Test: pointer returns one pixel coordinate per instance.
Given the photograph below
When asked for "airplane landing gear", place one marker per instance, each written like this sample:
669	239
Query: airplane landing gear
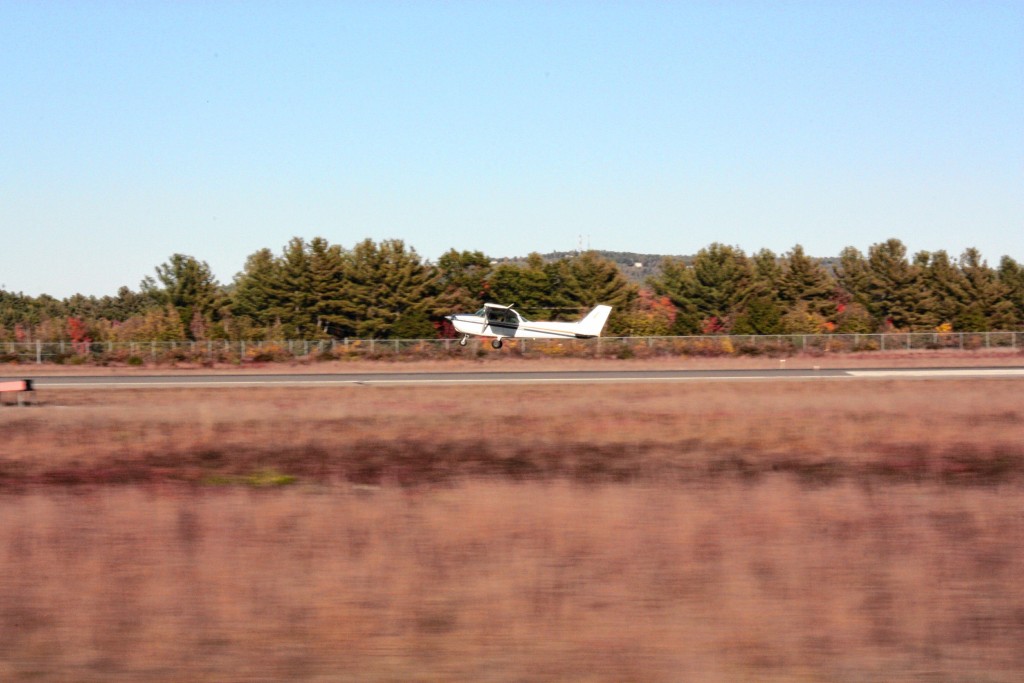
464	340
496	343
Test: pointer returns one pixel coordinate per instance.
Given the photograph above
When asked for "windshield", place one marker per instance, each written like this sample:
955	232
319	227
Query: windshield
506	314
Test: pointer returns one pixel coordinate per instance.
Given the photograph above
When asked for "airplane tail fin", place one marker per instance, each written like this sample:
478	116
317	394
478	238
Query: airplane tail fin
593	323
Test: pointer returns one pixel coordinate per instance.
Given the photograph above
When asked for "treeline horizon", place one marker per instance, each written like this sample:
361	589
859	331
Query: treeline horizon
318	290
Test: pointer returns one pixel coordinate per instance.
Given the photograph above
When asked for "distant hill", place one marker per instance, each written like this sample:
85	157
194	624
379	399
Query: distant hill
638	267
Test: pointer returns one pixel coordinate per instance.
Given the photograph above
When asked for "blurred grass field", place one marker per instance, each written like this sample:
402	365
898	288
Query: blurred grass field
746	531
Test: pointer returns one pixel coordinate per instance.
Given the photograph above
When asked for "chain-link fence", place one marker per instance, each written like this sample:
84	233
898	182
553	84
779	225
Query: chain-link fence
215	352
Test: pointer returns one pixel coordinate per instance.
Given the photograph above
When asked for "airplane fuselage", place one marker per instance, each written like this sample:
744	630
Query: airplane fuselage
480	326
501	322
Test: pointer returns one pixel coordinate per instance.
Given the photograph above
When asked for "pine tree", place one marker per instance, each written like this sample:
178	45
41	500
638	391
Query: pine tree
124	305
711	291
534	288
676	281
1011	275
187	284
895	291
761	311
804	280
462	281
985	305
328	287
588	280
766	276
255	287
389	292
722	276
854	276
760	314
300	294
946	285
292	301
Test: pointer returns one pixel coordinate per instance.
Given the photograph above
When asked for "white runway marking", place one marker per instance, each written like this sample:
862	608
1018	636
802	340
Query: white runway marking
942	372
451	379
379	381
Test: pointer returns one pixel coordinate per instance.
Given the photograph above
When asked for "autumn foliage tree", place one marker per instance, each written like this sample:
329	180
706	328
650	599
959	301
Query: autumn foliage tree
317	290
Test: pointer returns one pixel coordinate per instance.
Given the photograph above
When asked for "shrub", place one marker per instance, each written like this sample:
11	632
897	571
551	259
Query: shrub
750	349
269	479
866	345
267	353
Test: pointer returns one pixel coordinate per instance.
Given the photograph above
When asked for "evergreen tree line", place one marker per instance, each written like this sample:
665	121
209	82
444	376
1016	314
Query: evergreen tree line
318	290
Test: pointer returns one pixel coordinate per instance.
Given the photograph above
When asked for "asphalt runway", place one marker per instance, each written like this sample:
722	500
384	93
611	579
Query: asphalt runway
532	377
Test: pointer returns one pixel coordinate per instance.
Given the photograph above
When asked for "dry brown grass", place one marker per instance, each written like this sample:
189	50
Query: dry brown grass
829	531
493	581
966	431
502	361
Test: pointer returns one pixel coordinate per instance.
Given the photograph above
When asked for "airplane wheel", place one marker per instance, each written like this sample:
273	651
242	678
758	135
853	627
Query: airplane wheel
462	342
496	343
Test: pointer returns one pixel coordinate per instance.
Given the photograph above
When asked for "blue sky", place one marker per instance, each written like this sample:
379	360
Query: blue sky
130	131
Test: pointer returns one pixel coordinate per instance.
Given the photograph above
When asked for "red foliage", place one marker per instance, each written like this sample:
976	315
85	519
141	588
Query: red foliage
656	305
77	331
445	329
79	335
712	325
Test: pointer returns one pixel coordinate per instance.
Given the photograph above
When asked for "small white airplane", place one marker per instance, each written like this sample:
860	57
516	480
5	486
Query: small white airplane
494	320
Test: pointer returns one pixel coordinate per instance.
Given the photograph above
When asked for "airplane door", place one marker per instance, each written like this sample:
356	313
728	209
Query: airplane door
502	321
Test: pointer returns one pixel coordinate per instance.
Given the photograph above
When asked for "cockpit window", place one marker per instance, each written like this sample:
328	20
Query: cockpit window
502	315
